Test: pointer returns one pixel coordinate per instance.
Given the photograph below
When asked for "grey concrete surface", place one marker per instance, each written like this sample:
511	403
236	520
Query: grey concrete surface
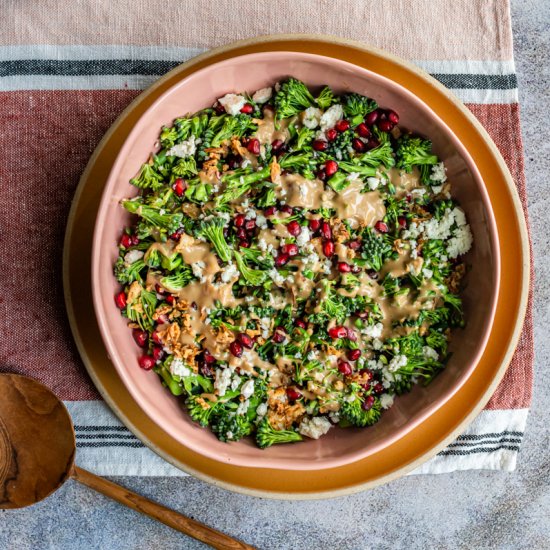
465	510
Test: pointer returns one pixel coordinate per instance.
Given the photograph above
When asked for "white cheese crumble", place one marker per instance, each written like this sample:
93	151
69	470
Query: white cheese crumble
373	183
232	103
314	427
374	331
178	368
261	411
248	389
184	149
397	362
438	173
386	400
243	407
304	237
430	353
460	242
198	268
377	344
230	272
262	95
331	116
261	221
235	381
132	256
311	117
222	381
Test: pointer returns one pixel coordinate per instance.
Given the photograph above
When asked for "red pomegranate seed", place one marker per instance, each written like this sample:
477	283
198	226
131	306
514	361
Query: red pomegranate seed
385	126
177	234
363	131
120	300
326	231
254	146
355	244
393	117
179	187
381	227
241	233
141	337
328	248
219	108
281	259
126	241
331	167
320	145
371	118
208	357
279	335
354	354
338	332
321	175
170	299
290	249
244	244
345	368
246	340
156	337
331	134
314	225
294	228
270	211
373	143
135	240
352	335
368	403
378	388
342	125
344	267
358	145
293	394
236	348
158	353
247	109
250	225
300	323
402	221
276	144
239	220
287	209
146	362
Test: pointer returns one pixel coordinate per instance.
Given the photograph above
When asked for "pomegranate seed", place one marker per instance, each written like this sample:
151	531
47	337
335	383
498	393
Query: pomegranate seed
342	125
179	187
239	220
170	299
381	227
126	241
366	373
241	234
287	209
293	394
276	144
279	335
206	370
319	145
156	337
402	221
120	300
363	131
355	244
328	248
337	332
294	228
385	126
254	146
270	211
236	348
358	145
321	175
368	403
281	259
343	267
314	225
250	225
378	388
372	274
331	167
300	323
393	117
219	108
354	354
246	340
373	143
331	134
345	368
141	337
208	357
408	198
244	244
158	353
290	249
247	109
146	362
177	234
371	118
326	231
352	335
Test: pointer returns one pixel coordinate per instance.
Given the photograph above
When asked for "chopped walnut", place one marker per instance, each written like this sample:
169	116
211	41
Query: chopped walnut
275	171
237	148
339	231
281	413
224	335
455	278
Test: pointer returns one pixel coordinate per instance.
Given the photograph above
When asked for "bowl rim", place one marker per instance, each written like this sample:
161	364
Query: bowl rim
102	314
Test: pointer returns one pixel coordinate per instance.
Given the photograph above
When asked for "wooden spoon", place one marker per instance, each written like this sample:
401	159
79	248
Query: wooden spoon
37	451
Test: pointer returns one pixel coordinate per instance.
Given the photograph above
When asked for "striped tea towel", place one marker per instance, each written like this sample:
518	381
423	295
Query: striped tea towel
67	70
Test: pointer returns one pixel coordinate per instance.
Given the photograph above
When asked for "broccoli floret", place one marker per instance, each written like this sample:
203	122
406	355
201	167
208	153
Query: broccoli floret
198	191
266	198
414	151
254	277
176	281
330	303
326	98
173	385
304	137
292	98
232	126
375	249
437	341
266	435
303	162
353	412
185	168
141	309
383	154
165	221
213	231
168	136
200	410
126	274
240	182
231	426
357	106
416	367
148	178
340	147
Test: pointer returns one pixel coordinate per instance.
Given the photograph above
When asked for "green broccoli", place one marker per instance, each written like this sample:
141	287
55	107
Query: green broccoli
357	106
325	98
414	151
330	303
254	277
240	182
416	367
304	137
292	98
148	178
142	308
375	249
198	191
155	217
202	411
176	281
185	168
232	126
383	154
172	384
231	426
266	198
213	231
355	414
266	435
126	274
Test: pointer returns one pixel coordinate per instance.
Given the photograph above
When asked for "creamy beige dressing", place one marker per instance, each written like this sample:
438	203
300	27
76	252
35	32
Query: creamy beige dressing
296	190
269	130
404	183
359	208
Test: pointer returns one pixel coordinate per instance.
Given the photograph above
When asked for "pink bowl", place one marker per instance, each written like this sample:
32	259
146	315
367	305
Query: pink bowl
249	73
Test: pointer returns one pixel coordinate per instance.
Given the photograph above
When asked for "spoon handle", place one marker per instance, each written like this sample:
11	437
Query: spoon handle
173	519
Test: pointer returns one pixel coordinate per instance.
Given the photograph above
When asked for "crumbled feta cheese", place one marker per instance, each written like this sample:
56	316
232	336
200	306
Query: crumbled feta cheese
428	273
250	214
197	269
303	237
235	381
331	116
243	407
230	272
276	277
374	331
184	149
314	427
261	411
245	163
132	256
373	183
397	362
261	221
436	189
327	267
311	117
222	381
178	368
232	103
386	400
460	242
430	353
377	344
262	95
248	389
438	173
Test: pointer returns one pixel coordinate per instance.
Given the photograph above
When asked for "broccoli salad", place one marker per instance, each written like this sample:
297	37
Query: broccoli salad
294	263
